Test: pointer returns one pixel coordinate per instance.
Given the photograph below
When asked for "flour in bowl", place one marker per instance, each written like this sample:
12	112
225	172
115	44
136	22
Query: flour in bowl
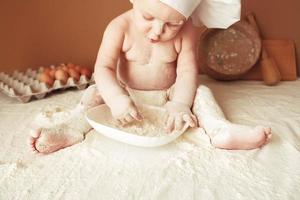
152	125
145	127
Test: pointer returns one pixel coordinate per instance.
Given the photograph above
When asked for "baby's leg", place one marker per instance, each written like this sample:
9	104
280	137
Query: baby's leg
72	131
224	134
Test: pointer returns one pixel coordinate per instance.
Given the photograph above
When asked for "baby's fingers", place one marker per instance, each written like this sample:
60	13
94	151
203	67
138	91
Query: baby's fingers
195	120
136	115
179	123
128	118
121	121
170	123
125	119
190	120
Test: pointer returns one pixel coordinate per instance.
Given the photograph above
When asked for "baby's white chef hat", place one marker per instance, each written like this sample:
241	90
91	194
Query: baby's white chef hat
211	13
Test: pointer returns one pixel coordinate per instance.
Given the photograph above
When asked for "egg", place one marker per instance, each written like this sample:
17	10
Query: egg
52	73
65	68
46	70
70	65
86	71
45	78
61	75
74	74
77	68
58	67
52	67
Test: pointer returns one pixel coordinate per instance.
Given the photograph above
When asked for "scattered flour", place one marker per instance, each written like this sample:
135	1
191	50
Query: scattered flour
52	116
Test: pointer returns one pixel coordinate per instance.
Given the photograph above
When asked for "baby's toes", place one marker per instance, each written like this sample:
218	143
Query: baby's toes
35	132
268	134
34	136
31	143
264	133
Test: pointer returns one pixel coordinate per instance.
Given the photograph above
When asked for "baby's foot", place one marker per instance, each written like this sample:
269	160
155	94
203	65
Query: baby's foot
48	140
239	137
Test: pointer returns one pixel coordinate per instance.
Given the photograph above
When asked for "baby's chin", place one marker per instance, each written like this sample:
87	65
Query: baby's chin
159	40
153	41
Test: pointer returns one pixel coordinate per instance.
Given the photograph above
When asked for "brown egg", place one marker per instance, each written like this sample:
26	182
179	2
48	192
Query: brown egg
70	65
52	67
62	76
86	71
74	74
52	73
58	67
62	64
65	68
45	78
78	68
46	70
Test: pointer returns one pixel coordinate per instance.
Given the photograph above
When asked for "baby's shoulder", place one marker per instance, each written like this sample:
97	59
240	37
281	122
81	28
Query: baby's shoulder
120	23
188	30
188	35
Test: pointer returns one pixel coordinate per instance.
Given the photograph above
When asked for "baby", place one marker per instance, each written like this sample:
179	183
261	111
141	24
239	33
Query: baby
151	50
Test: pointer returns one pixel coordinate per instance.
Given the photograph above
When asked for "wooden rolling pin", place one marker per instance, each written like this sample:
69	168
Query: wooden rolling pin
270	72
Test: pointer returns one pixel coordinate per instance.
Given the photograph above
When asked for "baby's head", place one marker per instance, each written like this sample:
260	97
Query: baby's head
157	21
161	20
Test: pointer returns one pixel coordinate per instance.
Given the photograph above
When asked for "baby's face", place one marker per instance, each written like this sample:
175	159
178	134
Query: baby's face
157	21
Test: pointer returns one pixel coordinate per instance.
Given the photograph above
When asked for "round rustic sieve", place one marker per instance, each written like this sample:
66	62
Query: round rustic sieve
226	54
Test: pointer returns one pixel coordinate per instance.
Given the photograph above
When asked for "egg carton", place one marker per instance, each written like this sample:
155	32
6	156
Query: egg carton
25	86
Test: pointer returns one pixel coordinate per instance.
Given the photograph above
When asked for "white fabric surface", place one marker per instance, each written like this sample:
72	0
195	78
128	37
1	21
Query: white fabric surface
190	168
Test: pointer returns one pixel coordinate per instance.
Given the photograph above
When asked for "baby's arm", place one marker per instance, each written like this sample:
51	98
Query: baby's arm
186	82
113	94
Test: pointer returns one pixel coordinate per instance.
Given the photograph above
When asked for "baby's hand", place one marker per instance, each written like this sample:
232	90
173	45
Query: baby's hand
178	115
124	110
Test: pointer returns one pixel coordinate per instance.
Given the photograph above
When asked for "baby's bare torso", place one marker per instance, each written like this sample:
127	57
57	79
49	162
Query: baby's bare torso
147	66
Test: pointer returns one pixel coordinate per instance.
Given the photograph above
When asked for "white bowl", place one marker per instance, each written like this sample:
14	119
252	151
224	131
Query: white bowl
100	119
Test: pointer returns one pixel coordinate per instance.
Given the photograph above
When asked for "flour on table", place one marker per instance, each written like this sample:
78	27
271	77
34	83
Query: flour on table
52	116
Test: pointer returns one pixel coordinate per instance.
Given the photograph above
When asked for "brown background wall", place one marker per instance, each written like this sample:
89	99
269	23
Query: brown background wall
35	33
